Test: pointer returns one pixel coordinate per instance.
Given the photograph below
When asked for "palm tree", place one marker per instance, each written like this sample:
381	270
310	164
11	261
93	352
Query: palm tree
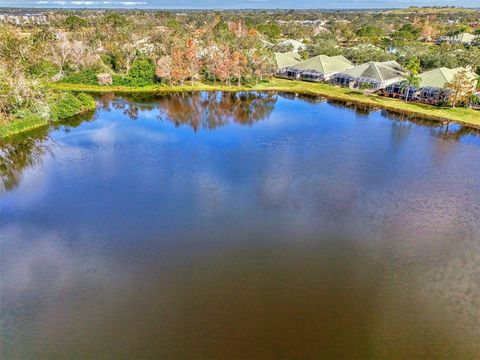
412	79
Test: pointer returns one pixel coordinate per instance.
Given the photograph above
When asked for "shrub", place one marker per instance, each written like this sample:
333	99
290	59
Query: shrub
119	80
85	76
44	69
87	101
66	104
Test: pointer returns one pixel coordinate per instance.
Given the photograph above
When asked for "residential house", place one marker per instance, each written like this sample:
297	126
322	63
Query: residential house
458	39
371	75
294	44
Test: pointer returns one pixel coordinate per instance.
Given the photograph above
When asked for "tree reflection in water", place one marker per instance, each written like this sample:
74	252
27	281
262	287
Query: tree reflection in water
26	150
308	98
16	156
445	131
207	110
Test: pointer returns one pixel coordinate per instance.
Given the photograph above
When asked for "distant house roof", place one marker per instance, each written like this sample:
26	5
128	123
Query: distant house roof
440	77
380	71
287	59
462	38
325	64
297	45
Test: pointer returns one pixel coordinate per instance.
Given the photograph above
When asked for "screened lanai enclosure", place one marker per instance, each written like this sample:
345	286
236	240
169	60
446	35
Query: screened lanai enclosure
290	73
433	95
475	101
367	83
312	75
350	81
295	74
401	89
344	80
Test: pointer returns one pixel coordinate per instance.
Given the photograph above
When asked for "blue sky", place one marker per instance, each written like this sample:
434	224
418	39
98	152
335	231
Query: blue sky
232	4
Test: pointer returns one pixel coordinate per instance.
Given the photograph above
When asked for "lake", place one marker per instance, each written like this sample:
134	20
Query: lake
240	226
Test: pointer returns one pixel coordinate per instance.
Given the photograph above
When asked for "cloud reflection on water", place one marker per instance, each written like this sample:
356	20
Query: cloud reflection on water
327	233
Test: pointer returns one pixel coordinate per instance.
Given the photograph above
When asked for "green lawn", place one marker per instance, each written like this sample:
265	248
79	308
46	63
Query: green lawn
459	115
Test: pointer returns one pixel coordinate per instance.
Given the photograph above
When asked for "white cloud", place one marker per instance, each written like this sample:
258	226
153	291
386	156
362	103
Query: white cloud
91	3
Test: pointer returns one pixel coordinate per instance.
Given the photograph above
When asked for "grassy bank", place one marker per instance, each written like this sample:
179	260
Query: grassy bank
61	106
459	115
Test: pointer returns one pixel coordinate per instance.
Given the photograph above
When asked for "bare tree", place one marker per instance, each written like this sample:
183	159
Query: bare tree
462	87
163	68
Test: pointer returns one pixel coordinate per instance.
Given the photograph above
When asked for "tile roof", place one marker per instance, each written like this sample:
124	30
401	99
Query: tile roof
380	71
440	77
325	64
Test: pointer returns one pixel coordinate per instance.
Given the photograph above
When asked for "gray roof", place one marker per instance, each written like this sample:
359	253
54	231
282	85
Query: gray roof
325	64
297	45
441	76
287	59
380	71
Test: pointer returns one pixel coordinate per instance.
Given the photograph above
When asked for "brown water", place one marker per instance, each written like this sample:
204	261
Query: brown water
227	226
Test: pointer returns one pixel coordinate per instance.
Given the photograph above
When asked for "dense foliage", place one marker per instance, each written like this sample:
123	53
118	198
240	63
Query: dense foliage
66	104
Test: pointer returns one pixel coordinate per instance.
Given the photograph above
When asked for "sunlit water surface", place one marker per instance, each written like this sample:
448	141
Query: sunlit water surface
240	226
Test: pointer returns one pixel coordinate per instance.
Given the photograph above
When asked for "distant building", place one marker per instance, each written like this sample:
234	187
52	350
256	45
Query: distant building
303	22
343	21
23	19
462	38
294	44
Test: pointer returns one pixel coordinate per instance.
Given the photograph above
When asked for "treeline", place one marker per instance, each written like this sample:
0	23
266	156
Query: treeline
134	49
138	50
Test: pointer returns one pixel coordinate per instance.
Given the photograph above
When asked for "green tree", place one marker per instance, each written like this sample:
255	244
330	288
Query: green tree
74	22
272	30
412	79
364	53
142	72
413	66
325	44
115	19
370	33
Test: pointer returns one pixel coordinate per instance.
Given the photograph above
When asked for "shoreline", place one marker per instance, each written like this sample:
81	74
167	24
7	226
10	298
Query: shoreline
18	127
60	111
462	116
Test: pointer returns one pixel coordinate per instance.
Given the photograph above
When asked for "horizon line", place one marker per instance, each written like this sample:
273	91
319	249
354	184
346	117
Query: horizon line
74	7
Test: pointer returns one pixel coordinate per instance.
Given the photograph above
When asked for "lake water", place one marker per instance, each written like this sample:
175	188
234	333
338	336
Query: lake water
240	226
